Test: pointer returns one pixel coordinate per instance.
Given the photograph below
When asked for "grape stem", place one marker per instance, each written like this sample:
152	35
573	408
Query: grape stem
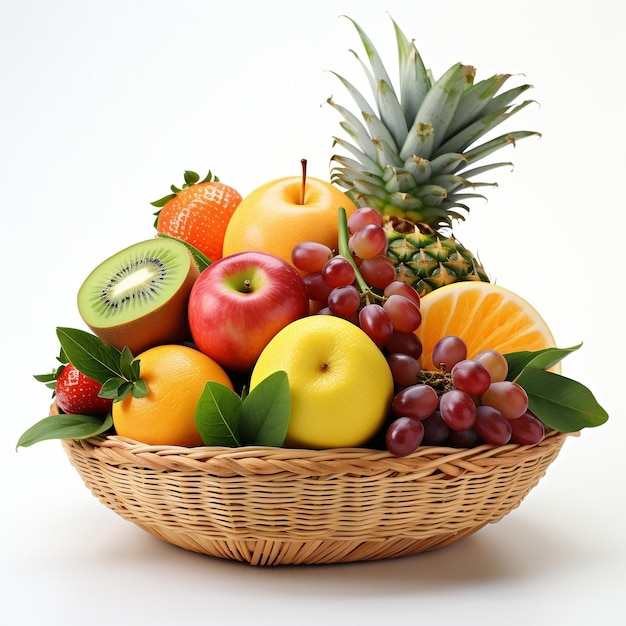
344	250
439	380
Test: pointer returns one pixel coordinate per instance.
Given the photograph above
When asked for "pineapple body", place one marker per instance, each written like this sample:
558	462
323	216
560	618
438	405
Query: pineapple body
427	260
412	156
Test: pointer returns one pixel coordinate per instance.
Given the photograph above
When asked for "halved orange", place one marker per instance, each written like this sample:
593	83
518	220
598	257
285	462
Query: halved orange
485	316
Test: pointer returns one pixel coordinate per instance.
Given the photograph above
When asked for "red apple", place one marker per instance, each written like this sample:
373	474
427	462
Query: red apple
240	302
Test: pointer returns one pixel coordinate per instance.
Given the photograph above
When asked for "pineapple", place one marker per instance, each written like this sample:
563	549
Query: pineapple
413	159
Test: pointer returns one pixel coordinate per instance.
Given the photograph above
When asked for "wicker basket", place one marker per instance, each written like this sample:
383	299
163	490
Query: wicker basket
275	506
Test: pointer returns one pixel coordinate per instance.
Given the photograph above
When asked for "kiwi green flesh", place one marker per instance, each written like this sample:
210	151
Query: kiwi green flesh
138	297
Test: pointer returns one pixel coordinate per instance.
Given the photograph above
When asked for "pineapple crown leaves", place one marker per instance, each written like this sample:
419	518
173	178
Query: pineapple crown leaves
438	122
191	178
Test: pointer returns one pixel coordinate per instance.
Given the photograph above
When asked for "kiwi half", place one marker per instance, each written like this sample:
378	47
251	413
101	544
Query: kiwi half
138	297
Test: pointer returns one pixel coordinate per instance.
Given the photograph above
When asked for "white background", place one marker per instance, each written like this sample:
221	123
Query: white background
104	104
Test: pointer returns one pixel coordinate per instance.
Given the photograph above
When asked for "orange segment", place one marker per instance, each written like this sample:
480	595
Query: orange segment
485	316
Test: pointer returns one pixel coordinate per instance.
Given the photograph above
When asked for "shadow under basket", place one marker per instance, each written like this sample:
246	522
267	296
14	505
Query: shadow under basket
277	506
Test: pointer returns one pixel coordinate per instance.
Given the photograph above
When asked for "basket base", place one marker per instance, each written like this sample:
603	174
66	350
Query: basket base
266	506
330	551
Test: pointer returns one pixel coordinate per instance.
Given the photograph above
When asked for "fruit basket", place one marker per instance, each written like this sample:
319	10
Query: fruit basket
280	506
355	389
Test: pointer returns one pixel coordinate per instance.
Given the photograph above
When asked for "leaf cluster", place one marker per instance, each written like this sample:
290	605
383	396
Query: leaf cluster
223	418
191	178
117	371
559	402
259	417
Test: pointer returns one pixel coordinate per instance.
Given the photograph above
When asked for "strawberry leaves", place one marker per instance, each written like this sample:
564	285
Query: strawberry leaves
118	372
191	178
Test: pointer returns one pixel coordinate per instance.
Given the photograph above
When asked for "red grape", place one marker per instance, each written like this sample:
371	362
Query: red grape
338	272
405	316
466	438
369	241
316	288
508	397
310	256
373	319
471	377
404	369
417	401
378	271
457	409
448	351
495	363
436	431
362	216
491	426
404	435
406	343
344	301
527	430
402	289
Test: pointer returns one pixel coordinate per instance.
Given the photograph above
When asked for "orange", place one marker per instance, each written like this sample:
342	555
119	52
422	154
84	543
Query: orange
175	376
485	316
276	216
199	215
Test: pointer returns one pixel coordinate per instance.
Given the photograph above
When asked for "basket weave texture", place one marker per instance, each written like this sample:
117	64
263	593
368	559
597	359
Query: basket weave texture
277	506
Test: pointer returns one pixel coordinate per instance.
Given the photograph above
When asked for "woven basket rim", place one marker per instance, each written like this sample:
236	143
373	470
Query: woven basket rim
251	460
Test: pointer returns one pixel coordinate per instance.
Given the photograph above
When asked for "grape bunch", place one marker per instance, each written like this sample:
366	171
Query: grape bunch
359	284
465	403
462	404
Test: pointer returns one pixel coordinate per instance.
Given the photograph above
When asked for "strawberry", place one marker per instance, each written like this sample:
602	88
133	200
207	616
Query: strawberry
198	213
78	394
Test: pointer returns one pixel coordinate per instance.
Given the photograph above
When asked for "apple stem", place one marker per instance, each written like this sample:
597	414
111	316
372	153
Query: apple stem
303	188
246	285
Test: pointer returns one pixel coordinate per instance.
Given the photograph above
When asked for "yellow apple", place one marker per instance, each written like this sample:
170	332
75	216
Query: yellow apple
278	215
340	384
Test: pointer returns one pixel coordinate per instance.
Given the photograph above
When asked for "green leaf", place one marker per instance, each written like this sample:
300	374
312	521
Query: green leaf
161	202
65	426
111	388
559	402
46	378
139	389
118	372
266	411
539	359
50	379
123	390
135	370
217	415
210	178
201	259
89	354
127	369
191	177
